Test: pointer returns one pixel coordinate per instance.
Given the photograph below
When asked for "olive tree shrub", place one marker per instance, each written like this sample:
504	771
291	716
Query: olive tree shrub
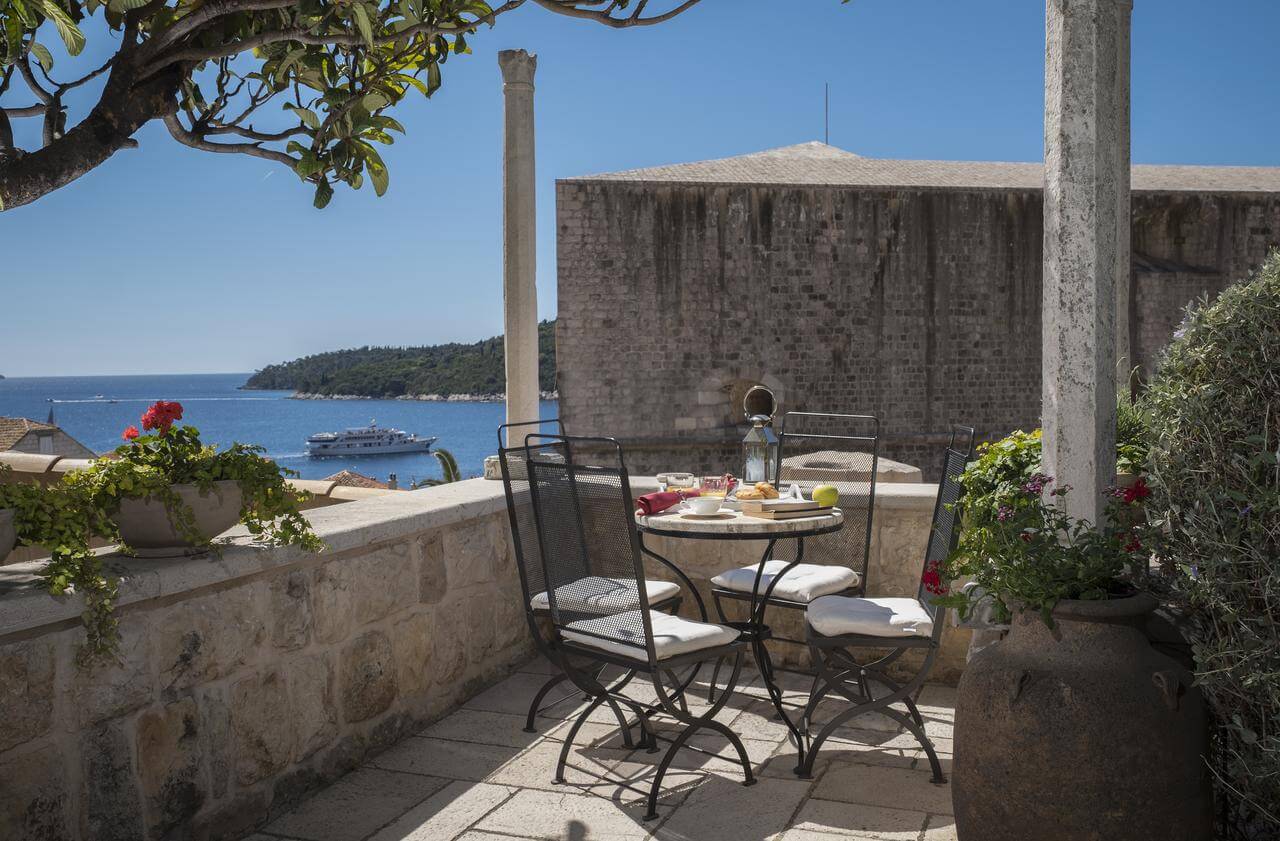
1215	414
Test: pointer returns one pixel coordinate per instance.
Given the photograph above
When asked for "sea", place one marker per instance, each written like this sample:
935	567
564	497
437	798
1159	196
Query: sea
95	410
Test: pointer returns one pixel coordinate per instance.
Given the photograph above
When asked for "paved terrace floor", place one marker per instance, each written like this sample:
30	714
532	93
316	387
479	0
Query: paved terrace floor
476	776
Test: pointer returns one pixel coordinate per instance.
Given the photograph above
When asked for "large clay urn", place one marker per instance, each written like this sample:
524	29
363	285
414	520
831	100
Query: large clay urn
145	526
1080	732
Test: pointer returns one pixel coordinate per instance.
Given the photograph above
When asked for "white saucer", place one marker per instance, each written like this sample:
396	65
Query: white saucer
718	515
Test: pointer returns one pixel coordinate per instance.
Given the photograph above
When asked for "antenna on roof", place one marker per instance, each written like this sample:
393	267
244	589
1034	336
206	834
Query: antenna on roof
826	113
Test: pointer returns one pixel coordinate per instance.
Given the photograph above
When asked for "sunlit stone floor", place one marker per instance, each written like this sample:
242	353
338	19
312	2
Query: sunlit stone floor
477	776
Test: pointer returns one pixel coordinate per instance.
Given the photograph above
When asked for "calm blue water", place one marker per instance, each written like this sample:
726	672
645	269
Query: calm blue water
224	414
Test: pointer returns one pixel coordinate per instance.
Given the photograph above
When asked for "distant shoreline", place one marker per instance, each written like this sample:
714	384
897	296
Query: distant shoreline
424	398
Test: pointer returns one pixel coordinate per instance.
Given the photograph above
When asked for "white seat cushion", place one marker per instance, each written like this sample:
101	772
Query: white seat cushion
672	635
834	616
604	595
803	583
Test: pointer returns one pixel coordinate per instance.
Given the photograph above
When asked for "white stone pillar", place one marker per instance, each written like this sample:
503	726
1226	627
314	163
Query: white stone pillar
519	254
1086	206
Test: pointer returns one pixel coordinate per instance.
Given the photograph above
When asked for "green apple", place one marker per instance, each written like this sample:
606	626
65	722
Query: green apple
826	495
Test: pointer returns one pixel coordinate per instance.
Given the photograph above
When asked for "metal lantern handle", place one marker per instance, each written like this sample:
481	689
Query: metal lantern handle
759	402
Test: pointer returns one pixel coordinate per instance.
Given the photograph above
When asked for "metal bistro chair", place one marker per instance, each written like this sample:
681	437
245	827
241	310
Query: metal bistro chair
662	595
837	626
585	520
816	448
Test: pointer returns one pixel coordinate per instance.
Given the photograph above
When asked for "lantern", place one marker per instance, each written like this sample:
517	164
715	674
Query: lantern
760	446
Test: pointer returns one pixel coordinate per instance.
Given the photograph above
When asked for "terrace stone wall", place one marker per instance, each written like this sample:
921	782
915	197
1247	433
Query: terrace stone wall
919	305
247	680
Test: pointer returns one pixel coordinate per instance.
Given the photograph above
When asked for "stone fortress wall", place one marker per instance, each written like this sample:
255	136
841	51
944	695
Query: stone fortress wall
680	287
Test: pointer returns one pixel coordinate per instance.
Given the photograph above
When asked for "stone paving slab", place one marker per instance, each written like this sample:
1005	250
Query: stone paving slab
476	776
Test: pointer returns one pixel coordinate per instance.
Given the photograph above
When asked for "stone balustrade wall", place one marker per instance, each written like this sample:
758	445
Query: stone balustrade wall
247	680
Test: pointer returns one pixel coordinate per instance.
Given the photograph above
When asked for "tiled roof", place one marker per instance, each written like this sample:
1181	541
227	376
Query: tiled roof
12	430
352	479
817	164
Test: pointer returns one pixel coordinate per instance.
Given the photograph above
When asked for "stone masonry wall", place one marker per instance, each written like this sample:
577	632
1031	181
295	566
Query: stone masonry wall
921	306
249	680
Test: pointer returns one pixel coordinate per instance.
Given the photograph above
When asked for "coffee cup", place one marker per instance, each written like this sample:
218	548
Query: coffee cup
703	504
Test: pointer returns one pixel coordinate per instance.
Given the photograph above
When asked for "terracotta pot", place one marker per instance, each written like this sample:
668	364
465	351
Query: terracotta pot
1081	732
145	527
8	537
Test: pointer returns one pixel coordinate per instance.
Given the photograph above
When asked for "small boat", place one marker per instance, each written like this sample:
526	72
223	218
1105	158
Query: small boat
371	440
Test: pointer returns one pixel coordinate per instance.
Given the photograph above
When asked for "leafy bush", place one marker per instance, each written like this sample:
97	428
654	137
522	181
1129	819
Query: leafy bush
1215	414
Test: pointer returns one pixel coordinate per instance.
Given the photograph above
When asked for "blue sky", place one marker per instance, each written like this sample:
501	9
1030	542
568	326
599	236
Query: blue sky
166	259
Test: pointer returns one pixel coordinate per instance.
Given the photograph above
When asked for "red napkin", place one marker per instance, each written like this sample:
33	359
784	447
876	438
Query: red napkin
659	501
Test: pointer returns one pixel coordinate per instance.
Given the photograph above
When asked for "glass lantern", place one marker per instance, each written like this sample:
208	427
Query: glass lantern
760	447
759	451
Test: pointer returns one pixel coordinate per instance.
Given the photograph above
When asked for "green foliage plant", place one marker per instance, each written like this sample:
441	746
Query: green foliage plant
60	519
449	471
309	85
1023	550
148	466
66	515
1214	405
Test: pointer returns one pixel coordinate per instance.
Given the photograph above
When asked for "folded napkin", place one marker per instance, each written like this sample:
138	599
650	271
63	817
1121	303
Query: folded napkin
659	501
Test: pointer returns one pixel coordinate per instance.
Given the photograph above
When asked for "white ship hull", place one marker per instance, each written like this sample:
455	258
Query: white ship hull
370	440
327	449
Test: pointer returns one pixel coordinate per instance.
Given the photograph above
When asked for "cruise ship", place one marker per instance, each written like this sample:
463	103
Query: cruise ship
371	440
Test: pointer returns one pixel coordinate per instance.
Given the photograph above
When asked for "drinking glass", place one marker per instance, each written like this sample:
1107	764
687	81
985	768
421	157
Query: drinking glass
714	485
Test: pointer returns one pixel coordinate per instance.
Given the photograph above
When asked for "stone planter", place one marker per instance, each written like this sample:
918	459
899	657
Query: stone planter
1081	732
8	537
145	527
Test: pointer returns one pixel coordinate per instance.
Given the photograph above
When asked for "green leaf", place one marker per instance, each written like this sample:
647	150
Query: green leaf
70	34
308	117
380	177
374	100
42	54
433	78
361	15
126	5
324	192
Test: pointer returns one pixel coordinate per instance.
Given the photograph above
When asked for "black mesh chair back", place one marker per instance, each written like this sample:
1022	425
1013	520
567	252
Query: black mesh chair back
945	531
515	482
818	448
588	542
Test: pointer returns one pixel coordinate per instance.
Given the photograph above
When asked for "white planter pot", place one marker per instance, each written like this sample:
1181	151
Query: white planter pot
145	527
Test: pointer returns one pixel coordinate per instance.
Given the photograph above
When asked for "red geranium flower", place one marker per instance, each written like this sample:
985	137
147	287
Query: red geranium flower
1137	491
932	579
130	432
1134	544
161	415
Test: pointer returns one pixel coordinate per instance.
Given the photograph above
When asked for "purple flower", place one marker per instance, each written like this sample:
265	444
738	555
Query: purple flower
1004	513
1036	484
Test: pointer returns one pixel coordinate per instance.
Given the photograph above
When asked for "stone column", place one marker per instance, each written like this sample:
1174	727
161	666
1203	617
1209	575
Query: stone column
1086	206
519	254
